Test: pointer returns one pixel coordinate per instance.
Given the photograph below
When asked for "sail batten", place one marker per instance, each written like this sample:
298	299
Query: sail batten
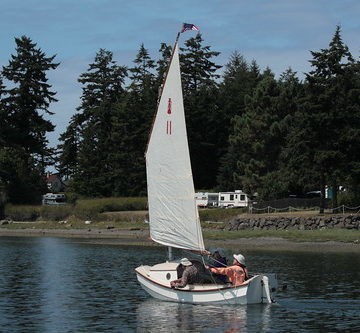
173	214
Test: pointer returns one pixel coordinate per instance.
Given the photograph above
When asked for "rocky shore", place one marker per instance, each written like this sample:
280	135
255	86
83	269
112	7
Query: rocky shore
299	223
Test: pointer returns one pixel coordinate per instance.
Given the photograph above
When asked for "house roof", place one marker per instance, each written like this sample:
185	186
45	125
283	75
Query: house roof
52	177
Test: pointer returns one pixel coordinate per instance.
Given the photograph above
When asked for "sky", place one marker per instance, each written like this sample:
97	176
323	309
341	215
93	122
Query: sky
276	33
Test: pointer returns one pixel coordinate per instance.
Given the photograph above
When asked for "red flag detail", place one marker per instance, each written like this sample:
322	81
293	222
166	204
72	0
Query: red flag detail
169	106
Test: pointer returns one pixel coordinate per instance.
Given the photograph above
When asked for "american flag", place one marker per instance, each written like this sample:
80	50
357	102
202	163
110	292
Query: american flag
187	26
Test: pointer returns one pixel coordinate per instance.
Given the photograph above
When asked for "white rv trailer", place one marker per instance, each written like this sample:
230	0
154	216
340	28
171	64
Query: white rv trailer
53	199
233	199
205	199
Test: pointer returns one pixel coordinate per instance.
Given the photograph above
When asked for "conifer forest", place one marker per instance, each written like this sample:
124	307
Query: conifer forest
247	129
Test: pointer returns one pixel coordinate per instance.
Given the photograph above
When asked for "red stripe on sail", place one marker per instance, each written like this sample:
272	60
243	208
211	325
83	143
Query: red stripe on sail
168	127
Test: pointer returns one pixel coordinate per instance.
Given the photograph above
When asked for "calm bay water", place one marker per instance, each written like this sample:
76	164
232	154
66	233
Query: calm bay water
66	285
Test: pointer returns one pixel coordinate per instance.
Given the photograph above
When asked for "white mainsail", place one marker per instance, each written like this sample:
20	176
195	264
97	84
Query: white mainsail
173	214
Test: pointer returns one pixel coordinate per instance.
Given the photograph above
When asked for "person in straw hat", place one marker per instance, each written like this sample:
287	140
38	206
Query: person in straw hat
237	273
190	275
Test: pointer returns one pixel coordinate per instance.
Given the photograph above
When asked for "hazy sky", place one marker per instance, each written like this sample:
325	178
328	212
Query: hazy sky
276	33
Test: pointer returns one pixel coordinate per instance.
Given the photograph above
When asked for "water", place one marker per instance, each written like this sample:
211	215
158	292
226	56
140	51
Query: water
66	285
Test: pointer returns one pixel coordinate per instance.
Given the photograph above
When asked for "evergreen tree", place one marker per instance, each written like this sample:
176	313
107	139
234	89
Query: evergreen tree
142	77
25	152
162	65
256	137
30	97
285	180
350	137
327	114
130	133
203	116
239	81
67	160
87	142
137	115
197	68
3	172
253	162
3	116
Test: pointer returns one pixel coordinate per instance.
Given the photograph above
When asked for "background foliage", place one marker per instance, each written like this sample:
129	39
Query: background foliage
247	129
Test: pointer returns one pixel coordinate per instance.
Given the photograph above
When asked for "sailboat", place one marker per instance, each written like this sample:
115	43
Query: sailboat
173	214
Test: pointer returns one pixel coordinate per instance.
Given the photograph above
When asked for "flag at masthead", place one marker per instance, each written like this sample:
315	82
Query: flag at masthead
188	26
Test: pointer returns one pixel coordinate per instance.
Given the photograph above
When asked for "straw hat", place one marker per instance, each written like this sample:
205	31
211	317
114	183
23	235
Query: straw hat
185	262
240	258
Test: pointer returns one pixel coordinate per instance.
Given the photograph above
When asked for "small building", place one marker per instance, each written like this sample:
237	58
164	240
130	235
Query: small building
237	198
205	199
54	183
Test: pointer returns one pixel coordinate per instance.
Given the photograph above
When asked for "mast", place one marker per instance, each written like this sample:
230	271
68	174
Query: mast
170	254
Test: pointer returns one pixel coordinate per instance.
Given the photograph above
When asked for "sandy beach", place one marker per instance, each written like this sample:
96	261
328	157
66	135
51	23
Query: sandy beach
140	237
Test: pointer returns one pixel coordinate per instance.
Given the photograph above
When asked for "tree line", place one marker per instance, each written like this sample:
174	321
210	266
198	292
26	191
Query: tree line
247	130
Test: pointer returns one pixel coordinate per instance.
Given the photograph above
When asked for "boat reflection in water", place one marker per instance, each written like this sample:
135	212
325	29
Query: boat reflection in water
158	316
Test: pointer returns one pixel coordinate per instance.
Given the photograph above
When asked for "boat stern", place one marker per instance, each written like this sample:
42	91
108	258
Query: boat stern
259	290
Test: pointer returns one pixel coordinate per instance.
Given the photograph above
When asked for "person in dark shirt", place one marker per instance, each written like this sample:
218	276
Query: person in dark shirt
190	275
218	259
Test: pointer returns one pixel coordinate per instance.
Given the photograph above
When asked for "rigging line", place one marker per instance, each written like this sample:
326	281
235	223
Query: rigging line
214	281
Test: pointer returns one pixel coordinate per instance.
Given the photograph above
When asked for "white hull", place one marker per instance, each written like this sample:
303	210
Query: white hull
156	281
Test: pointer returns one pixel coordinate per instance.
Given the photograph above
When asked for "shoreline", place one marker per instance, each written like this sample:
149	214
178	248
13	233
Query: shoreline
140	237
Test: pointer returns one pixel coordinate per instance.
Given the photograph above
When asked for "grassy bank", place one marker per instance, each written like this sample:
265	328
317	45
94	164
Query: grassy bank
108	209
76	225
211	234
84	209
131	214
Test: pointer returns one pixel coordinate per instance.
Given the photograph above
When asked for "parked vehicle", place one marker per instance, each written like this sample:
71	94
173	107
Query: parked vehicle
233	199
205	199
53	199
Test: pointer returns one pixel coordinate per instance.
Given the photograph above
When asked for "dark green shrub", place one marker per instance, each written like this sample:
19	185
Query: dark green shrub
22	213
85	209
220	214
56	213
71	197
91	208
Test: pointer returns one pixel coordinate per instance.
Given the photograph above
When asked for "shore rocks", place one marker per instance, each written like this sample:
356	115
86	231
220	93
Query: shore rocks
300	223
